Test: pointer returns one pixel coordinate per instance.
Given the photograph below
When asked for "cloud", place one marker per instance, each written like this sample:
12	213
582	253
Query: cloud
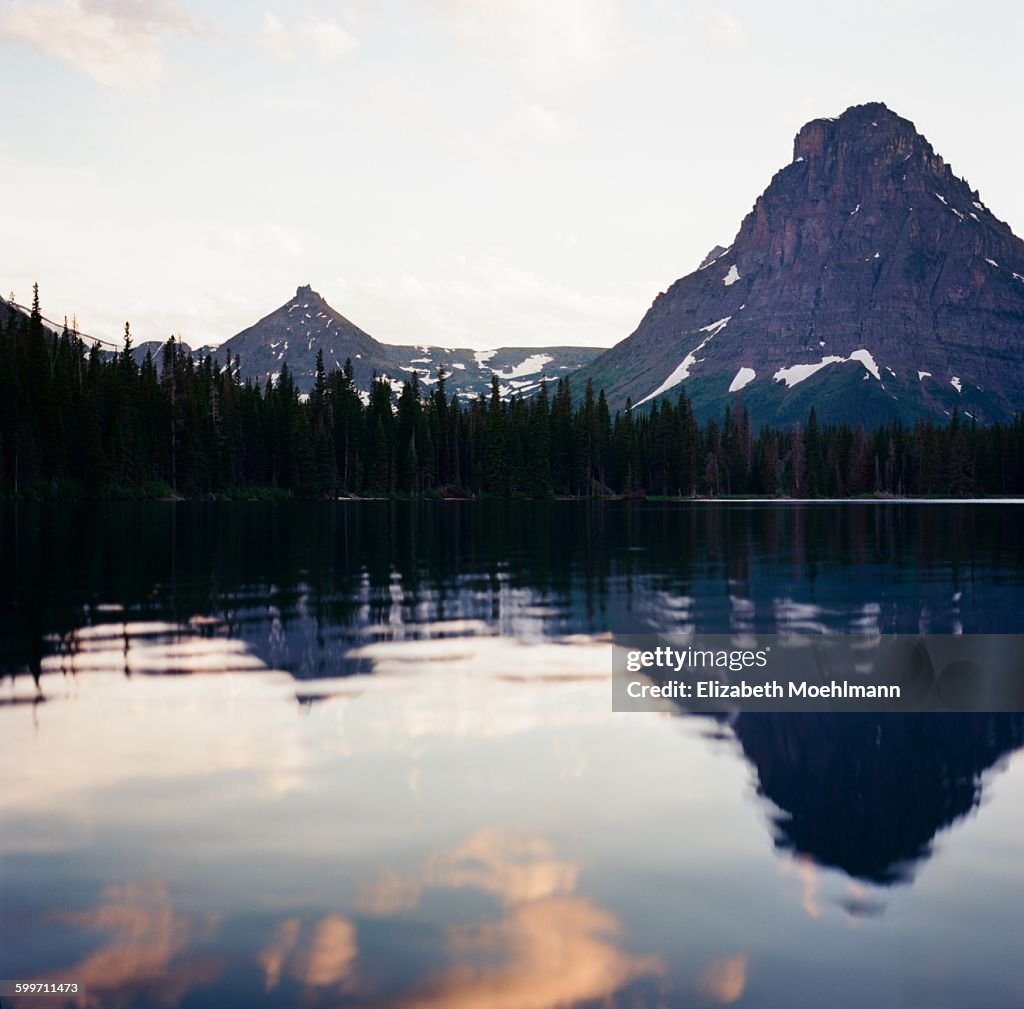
545	954
273	957
331	953
725	980
150	952
559	49
549	947
326	40
116	42
512	867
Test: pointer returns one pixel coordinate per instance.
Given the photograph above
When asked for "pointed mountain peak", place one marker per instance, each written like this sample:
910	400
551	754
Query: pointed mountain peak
819	135
866	138
867	279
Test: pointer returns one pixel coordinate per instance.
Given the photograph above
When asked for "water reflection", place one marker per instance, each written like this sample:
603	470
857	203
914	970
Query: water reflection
548	947
153	953
545	947
867	794
301	584
392	776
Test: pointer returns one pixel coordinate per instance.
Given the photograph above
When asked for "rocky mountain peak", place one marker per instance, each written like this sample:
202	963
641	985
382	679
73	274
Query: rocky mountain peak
867	145
305	291
295	333
865	265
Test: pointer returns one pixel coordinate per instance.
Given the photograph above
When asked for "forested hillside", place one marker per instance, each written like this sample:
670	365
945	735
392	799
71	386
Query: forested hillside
77	423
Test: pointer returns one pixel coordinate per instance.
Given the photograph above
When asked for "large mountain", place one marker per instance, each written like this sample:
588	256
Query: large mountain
867	280
296	331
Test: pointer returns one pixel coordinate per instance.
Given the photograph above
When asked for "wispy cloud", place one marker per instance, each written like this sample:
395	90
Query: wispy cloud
325	40
116	42
558	49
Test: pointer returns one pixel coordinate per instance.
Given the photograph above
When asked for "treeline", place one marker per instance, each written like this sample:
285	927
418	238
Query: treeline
75	421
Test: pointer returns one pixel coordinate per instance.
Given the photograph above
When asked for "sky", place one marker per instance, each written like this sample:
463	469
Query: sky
472	173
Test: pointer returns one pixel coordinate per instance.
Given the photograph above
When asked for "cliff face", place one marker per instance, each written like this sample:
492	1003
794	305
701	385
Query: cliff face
868	280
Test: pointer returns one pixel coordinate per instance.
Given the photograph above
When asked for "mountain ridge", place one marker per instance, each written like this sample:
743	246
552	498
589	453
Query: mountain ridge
306	324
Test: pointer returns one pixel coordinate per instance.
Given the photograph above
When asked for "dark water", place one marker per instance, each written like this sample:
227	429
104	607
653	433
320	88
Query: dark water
363	755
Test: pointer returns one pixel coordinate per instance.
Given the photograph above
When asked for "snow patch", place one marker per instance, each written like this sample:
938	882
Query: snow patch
943	198
483	356
732	276
531	366
796	373
743	378
865	358
856	210
922	375
715	327
956	384
683	370
992	262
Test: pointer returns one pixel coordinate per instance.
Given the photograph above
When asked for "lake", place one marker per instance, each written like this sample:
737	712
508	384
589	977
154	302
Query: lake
363	754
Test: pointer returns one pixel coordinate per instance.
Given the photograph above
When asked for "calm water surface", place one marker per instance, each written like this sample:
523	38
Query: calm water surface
363	754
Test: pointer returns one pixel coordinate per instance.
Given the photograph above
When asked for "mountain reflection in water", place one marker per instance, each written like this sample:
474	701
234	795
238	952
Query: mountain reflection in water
386	772
868	793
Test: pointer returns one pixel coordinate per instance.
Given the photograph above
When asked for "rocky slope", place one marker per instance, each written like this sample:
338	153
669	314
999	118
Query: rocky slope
867	280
